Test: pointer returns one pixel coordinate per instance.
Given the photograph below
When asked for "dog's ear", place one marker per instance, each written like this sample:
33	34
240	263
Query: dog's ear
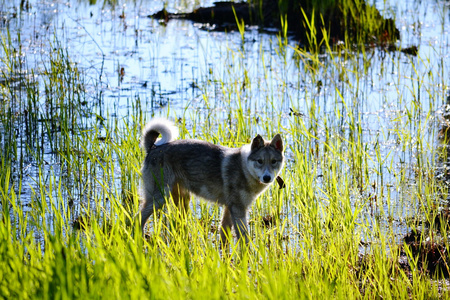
257	143
277	142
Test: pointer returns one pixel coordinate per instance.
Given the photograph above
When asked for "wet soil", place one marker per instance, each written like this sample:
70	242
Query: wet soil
430	254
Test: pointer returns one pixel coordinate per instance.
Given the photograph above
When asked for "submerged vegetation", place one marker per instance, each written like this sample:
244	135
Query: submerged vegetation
362	214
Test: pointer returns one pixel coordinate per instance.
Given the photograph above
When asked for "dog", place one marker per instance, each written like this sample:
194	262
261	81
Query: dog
231	177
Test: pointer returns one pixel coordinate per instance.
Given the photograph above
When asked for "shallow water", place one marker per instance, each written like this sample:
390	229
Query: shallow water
189	72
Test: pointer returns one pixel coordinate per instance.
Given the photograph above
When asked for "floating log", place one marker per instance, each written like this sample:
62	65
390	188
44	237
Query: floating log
360	23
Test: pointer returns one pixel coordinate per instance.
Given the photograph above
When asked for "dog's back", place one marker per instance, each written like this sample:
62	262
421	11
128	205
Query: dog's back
191	164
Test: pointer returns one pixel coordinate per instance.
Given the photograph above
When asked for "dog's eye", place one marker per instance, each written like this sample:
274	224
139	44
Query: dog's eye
260	161
274	161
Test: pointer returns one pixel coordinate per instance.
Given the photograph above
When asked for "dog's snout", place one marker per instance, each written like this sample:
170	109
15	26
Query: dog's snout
267	178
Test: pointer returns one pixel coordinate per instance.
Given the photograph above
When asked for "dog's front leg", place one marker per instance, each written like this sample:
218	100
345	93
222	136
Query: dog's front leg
239	218
227	222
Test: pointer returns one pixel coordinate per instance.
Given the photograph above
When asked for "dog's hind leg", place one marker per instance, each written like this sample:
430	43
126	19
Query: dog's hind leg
151	204
181	198
156	187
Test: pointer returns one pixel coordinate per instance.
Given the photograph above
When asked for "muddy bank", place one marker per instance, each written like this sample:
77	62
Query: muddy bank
307	21
428	252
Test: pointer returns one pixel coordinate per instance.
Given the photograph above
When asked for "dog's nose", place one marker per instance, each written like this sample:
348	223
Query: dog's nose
266	178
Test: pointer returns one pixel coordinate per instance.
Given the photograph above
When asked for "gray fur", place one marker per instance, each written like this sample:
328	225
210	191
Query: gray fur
232	177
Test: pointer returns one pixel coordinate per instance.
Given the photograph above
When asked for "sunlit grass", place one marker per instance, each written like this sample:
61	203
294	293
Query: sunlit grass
69	180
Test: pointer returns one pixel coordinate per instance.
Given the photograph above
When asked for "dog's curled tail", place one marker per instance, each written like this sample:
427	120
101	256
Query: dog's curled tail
153	129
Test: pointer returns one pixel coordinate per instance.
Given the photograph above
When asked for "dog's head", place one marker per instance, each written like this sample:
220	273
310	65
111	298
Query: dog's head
266	158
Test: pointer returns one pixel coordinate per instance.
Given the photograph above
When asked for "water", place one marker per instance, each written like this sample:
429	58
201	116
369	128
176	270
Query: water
179	69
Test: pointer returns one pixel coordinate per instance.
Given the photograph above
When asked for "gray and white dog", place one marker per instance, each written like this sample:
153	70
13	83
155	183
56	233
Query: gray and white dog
232	177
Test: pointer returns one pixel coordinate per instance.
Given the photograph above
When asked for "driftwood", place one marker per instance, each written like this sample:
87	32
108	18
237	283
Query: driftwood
268	14
223	15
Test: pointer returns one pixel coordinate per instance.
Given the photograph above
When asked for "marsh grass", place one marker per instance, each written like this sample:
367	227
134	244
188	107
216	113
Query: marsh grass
70	177
354	22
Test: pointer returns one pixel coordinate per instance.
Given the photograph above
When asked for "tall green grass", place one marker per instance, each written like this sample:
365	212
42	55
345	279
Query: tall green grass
357	23
331	233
